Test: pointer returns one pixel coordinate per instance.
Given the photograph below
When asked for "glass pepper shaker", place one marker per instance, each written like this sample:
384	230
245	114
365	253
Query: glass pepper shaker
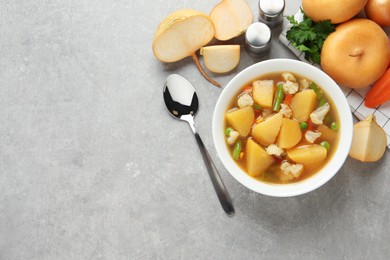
271	12
258	38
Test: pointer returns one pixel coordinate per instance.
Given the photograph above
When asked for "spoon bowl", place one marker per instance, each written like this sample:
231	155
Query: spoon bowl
180	96
182	103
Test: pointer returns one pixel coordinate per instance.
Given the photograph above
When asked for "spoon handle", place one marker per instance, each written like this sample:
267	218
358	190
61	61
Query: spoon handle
219	187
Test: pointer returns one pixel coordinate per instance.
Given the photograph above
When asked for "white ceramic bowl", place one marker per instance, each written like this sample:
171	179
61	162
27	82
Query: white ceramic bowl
327	85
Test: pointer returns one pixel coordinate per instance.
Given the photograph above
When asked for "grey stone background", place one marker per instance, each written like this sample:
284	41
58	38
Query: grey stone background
93	167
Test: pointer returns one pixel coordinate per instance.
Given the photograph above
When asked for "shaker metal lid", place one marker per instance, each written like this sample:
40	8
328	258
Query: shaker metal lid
257	38
271	11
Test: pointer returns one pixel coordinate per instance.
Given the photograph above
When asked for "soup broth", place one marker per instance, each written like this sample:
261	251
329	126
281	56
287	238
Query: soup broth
281	128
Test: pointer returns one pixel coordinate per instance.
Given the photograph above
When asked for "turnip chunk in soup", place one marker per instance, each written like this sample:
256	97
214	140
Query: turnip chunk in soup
281	128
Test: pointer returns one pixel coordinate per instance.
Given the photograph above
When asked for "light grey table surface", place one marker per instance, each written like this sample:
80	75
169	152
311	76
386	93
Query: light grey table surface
92	166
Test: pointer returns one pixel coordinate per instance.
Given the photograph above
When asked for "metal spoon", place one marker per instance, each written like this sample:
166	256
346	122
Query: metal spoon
182	102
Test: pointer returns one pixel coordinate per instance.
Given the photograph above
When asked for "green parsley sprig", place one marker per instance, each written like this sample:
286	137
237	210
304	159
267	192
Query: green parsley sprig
309	36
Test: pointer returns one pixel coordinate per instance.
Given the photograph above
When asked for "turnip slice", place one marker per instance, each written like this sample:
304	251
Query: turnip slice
231	18
181	34
221	58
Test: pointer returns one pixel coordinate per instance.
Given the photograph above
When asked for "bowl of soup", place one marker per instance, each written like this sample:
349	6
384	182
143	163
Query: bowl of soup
282	127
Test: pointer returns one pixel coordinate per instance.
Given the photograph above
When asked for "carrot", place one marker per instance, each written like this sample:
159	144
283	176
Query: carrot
247	89
287	99
380	92
257	114
278	159
310	125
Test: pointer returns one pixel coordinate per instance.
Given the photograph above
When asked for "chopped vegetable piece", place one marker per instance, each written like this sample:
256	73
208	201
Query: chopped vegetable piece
289	134
310	125
288	76
290	87
303	84
279	97
267	112
241	120
314	87
291	170
263	92
257	159
237	150
328	120
277	159
308	155
303	125
327	133
334	126
319	114
322	101
232	138
267	131
302	104
247	89
256	106
287	99
259	119
326	145
228	130
273	149
320	96
285	110
312	136
245	100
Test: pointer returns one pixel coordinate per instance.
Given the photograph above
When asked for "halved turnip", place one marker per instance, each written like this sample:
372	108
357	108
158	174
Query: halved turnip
356	54
221	58
231	18
181	34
